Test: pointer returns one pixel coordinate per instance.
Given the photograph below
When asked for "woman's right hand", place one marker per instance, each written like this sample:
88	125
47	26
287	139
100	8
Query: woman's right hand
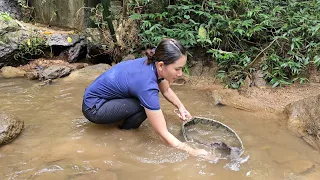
204	154
198	152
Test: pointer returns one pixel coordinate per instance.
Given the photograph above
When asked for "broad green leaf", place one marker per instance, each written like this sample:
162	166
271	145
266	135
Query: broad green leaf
69	39
202	32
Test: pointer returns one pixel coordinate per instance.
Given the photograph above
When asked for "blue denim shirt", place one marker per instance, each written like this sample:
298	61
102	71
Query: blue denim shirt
128	79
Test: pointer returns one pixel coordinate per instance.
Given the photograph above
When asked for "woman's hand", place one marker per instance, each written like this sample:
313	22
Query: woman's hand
204	154
184	114
198	152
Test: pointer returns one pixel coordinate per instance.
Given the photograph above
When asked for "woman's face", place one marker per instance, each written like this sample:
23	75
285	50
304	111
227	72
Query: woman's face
172	71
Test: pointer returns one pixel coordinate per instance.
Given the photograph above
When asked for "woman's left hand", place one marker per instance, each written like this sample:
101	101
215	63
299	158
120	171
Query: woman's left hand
184	114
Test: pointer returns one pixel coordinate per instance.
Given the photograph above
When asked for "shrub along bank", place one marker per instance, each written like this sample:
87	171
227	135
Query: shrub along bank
281	38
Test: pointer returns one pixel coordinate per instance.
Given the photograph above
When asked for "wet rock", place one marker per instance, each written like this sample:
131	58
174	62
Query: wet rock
33	75
64	39
88	73
12	72
229	97
303	119
11	7
69	47
299	166
11	35
10	128
54	72
42	68
281	155
40	64
76	52
8	25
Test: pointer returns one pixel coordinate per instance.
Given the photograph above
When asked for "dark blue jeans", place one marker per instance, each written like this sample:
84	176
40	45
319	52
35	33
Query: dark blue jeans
128	110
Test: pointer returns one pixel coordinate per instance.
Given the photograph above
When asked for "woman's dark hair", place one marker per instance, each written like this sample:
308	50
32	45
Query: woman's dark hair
168	51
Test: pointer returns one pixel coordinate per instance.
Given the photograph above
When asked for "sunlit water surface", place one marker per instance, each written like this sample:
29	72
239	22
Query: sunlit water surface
59	143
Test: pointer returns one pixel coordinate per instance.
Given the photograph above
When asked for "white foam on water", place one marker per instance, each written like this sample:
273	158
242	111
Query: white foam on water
235	164
52	168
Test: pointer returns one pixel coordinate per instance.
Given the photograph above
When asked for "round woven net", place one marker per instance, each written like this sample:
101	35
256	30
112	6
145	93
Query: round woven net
214	135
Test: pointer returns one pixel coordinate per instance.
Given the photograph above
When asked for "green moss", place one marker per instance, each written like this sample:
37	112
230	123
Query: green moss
4	16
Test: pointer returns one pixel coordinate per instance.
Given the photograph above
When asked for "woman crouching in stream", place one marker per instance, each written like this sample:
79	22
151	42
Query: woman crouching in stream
129	91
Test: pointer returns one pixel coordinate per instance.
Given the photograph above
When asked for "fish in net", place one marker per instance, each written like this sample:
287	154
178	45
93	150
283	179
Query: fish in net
215	135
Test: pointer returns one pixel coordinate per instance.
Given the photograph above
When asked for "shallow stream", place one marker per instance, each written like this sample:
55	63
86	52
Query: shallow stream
59	143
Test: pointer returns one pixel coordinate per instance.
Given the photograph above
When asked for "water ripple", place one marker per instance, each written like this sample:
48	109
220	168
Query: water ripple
16	174
51	168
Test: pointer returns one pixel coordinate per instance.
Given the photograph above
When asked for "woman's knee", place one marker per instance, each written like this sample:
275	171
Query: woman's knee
134	121
88	113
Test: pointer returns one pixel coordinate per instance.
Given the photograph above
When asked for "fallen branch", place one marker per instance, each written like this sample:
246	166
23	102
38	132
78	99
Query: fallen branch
20	24
255	59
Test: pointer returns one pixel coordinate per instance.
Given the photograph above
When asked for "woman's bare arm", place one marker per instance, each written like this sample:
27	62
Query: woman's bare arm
168	93
158	123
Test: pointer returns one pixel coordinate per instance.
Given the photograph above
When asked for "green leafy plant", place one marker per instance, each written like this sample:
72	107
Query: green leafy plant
316	61
238	32
30	48
5	16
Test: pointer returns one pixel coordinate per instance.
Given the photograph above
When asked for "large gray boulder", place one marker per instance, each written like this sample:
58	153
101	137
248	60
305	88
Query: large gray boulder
11	35
11	7
304	119
10	128
64	39
74	45
14	33
76	52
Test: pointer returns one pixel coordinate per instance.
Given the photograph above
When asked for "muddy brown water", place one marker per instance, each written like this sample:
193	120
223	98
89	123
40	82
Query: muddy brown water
59	143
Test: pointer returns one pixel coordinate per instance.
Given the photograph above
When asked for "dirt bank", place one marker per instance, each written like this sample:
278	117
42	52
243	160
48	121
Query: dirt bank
253	99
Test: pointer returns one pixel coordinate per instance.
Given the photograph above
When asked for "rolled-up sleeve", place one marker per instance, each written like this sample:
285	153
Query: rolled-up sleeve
149	98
